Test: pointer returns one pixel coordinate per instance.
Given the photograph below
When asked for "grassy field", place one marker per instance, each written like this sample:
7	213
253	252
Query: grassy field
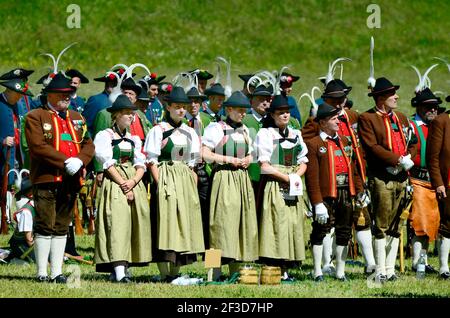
173	36
18	281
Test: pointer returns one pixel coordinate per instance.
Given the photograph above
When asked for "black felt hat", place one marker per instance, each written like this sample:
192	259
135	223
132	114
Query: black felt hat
383	86
334	90
75	73
154	79
288	79
42	79
347	89
279	101
237	99
202	74
325	110
165	87
18	85
143	96
194	93
177	95
427	97
16	73
129	83
216	89
263	90
111	78
245	77
59	84
121	102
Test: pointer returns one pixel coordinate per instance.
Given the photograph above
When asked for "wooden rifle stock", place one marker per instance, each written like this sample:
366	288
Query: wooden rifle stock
90	204
76	215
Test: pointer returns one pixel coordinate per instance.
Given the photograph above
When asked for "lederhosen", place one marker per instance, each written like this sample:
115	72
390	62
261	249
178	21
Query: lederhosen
387	219
342	190
59	196
361	217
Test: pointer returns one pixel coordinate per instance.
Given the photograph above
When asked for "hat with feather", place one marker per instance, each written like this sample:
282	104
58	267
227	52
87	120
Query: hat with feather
424	95
125	79
314	106
50	76
154	79
227	87
76	73
287	79
18	85
16	73
202	74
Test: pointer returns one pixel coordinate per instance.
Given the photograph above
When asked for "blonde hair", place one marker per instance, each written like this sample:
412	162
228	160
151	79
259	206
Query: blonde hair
116	114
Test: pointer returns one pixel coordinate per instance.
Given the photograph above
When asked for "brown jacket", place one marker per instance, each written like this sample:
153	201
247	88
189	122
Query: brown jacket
318	173
311	128
375	144
438	150
46	162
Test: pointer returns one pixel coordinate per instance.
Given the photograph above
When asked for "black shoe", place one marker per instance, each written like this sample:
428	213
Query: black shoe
342	279
60	279
430	269
124	280
380	278
318	278
393	278
445	275
42	279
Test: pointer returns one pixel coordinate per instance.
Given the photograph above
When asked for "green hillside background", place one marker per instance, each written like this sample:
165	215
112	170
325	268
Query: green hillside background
174	36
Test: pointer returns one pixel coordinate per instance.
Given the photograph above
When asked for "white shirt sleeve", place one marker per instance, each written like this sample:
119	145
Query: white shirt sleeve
24	220
139	157
301	158
195	147
213	134
152	146
103	149
250	141
263	145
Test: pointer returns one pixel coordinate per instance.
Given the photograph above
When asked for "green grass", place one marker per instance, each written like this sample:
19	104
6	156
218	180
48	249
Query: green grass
173	36
18	281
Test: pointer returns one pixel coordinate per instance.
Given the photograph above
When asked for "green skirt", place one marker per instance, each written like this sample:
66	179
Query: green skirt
233	227
281	225
123	230
179	218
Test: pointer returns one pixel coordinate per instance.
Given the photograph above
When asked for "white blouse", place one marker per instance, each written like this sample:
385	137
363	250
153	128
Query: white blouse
264	144
104	149
184	135
214	134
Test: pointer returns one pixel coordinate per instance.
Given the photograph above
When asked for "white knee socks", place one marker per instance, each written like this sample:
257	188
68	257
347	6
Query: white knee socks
58	245
42	251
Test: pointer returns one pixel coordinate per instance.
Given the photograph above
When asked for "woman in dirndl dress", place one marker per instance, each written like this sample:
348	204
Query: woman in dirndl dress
233	226
173	149
281	153
123	232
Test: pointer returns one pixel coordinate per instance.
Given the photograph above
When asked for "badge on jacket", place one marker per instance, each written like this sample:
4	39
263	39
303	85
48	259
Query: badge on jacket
322	149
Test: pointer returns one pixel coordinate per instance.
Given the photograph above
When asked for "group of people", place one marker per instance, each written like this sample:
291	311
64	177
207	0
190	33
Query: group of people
181	169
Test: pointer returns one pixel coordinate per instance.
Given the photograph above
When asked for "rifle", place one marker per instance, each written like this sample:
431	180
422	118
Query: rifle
76	215
78	259
4	223
90	207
